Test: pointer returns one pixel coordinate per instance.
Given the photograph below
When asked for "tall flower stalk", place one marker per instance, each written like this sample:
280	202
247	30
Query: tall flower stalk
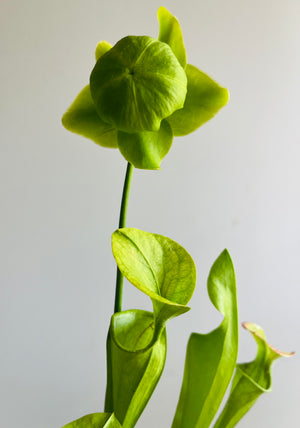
122	224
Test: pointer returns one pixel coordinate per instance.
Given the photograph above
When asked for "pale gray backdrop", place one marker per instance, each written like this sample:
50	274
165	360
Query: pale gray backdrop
234	183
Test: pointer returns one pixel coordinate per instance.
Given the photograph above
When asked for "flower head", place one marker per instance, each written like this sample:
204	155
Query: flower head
142	93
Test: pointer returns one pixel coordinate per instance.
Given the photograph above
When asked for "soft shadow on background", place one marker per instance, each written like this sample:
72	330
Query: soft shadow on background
233	183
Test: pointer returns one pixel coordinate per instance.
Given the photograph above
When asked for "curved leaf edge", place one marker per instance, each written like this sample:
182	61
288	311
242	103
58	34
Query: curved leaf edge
166	19
259	335
95	420
221	328
113	330
249	379
147	292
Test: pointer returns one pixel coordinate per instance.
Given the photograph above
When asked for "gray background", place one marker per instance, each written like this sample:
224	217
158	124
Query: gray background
233	183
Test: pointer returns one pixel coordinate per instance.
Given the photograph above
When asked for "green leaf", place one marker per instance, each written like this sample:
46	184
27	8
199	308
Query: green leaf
250	380
211	358
159	267
203	100
170	33
134	367
95	420
82	118
146	149
101	49
138	83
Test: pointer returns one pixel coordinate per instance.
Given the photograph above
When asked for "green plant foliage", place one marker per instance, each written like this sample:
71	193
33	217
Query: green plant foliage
95	420
141	94
135	87
250	380
211	358
159	267
134	368
136	347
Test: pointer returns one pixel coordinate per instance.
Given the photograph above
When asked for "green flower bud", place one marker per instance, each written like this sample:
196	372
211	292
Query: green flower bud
138	83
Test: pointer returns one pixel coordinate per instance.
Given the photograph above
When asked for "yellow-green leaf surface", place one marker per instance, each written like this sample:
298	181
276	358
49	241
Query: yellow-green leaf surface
95	420
146	149
250	380
134	368
82	118
159	267
138	83
204	99
170	33
211	358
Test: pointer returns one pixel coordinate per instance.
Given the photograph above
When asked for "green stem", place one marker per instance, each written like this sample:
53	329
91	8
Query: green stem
122	223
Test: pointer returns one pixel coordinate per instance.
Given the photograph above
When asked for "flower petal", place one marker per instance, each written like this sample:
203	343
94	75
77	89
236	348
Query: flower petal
170	33
102	48
203	100
146	150
82	118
